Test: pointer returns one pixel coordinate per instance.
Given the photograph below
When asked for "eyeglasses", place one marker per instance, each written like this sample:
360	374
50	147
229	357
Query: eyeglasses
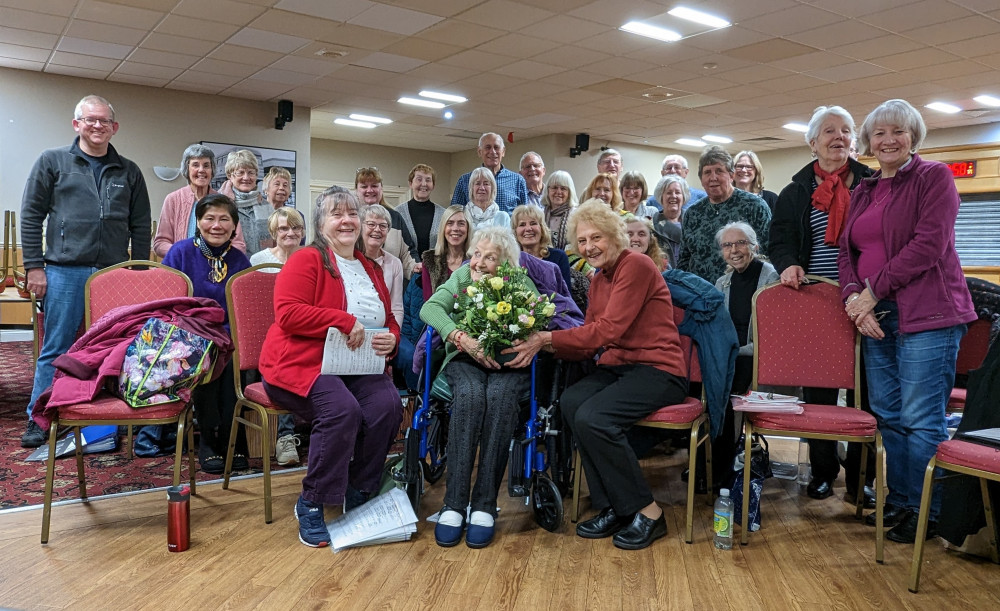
244	173
730	245
746	168
290	229
95	121
534	166
380	226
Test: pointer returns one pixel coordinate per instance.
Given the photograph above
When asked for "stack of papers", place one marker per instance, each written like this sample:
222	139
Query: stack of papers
756	401
95	438
386	518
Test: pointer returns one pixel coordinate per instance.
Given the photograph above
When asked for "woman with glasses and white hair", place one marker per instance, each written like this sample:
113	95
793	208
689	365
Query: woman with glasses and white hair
905	291
242	171
482	208
177	221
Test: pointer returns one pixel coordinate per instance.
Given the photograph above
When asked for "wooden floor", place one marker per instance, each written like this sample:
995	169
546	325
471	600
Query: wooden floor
112	554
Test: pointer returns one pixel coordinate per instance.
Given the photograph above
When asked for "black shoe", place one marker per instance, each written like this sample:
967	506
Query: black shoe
33	436
819	489
240	463
602	525
641	532
906	530
354	498
868	503
891	516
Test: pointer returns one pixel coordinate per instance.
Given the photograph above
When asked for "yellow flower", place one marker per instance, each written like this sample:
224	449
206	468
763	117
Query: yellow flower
503	307
497	283
491	315
471	290
549	309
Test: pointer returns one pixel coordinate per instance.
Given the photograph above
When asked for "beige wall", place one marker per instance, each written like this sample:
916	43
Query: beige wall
156	125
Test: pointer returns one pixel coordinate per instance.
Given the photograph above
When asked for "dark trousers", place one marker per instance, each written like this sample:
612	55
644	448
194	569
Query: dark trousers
354	421
483	417
214	404
599	410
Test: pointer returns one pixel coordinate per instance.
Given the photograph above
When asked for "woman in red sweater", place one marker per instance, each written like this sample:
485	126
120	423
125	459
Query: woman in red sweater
640	369
354	418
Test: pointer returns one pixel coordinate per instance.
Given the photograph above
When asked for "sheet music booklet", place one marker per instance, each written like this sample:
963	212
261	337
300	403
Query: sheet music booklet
338	359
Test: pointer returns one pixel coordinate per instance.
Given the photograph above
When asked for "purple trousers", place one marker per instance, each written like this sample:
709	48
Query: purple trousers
354	421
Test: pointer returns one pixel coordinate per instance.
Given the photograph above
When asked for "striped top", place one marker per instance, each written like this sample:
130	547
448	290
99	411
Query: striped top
823	260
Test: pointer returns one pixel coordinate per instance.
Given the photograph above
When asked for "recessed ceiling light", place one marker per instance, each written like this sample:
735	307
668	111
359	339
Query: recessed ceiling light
988	100
689	142
796	127
683	12
353	123
370	119
944	107
444	97
419	102
716	139
448	114
650	31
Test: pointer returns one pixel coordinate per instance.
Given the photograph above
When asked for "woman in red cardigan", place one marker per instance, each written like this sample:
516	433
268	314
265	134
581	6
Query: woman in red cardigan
354	418
630	324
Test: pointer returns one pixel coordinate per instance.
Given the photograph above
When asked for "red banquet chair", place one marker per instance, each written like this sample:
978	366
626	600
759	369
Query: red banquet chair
689	415
105	290
250	301
971	353
804	338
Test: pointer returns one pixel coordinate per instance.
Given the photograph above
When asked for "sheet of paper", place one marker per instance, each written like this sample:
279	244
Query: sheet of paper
338	359
986	434
388	517
740	404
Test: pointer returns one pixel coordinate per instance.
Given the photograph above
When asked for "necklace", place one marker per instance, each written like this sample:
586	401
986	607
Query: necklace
879	202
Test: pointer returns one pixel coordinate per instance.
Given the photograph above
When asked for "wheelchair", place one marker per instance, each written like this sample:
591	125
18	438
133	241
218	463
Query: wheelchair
540	466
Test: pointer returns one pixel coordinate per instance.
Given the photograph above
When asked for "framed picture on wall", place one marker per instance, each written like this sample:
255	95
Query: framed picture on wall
266	159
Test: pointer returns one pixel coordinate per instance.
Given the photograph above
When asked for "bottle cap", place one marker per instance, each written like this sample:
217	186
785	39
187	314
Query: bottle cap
179	493
724	492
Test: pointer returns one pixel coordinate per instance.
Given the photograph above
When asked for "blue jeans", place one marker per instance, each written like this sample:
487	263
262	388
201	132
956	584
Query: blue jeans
910	377
63	305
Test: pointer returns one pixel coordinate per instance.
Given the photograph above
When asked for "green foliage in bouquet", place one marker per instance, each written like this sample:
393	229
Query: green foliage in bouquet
502	308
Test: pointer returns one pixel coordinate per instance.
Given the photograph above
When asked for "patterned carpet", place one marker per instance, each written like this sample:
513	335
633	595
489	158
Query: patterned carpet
23	483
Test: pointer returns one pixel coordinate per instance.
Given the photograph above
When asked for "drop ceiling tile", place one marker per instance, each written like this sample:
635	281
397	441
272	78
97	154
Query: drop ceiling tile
257	90
84	61
244	55
90	30
27	38
754	74
358	74
617	66
36	22
305	96
848	72
93	47
218	66
132	79
617	42
527	69
954	31
389	62
915	15
438	74
195	87
476	60
23	53
419	48
99	75
793	83
444	8
341	10
148	70
316	67
518	45
21	64
460	33
222	11
296	24
838	35
879	47
614	13
725	39
218	81
566	29
489	82
361	37
152	5
811	61
315	50
576	79
914	59
177	44
569	57
792	20
973	46
162	58
271	41
196	28
117	14
503	13
395	19
284	77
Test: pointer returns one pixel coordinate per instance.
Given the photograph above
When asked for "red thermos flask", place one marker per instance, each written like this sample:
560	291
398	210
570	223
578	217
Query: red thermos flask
178	518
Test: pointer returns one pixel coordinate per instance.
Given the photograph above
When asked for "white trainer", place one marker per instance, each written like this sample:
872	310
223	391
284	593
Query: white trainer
285	452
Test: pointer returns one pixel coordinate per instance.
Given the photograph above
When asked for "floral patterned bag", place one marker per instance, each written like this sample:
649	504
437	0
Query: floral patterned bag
163	364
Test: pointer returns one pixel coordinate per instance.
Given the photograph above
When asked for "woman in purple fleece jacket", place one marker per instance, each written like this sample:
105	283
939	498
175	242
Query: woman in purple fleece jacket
904	289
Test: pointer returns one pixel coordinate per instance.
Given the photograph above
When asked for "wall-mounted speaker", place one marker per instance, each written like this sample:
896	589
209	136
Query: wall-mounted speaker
284	114
582	144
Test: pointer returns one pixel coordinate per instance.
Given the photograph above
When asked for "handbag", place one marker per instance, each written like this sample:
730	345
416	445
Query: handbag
760	469
163	364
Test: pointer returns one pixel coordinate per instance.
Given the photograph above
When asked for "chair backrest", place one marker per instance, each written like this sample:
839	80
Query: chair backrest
120	285
803	337
250	300
976	343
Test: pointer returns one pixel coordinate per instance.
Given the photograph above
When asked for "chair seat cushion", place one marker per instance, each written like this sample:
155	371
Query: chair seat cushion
825	419
682	413
255	392
957	399
968	454
109	407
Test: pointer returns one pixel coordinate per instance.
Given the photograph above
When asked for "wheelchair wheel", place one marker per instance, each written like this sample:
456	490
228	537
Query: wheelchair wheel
546	500
413	468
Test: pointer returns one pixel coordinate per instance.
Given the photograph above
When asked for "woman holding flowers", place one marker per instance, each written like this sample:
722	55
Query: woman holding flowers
485	408
640	369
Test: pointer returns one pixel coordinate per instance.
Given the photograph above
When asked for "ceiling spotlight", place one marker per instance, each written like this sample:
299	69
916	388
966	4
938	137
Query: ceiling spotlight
448	114
716	139
650	31
796	127
944	107
370	119
353	123
690	142
421	103
444	97
682	12
988	100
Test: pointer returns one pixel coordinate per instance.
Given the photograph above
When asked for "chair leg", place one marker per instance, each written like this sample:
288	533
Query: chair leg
577	479
879	497
859	501
988	511
50	475
79	462
179	449
228	469
692	471
748	434
189	426
128	442
265	443
708	463
925	510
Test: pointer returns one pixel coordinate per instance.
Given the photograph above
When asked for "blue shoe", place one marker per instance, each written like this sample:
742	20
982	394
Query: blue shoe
312	526
478	537
446	535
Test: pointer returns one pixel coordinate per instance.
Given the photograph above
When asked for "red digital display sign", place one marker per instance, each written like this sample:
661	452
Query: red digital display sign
963	169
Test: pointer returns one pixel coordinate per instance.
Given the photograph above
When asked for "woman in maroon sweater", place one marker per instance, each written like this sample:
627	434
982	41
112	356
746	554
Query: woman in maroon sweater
640	369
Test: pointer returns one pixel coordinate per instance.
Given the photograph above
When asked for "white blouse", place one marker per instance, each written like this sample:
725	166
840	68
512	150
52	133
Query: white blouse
362	298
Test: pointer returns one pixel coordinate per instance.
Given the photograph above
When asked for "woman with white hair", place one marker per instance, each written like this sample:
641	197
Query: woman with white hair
672	192
558	200
485	410
242	170
482	207
177	221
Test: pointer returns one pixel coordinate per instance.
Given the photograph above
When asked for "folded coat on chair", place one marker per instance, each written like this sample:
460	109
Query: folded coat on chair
98	355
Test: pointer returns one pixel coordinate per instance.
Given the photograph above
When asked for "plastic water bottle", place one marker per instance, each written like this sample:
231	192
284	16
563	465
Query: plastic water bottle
724	521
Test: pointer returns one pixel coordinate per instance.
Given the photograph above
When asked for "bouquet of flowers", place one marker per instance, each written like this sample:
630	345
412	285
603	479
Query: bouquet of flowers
502	308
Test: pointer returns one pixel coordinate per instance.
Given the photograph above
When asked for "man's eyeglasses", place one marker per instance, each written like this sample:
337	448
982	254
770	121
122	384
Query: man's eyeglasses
380	226
94	121
731	245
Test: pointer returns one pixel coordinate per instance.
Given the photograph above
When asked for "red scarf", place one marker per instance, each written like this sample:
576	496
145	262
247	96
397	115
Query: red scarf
832	196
